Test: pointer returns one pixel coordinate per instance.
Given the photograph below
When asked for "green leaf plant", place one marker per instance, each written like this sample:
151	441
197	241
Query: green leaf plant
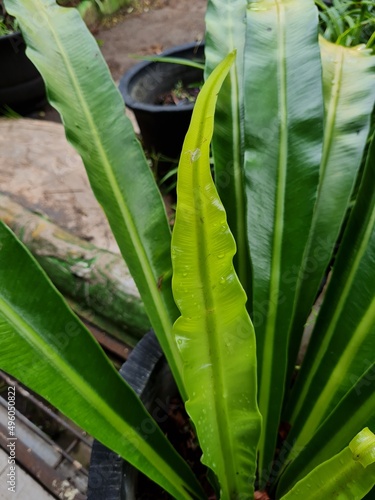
236	289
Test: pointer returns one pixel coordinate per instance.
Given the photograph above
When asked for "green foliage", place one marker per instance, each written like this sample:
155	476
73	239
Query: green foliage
173	60
289	138
289	143
348	475
8	24
42	344
211	300
5	27
96	125
348	22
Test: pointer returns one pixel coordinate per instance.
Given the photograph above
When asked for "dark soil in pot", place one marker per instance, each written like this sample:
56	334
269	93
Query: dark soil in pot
180	94
163	127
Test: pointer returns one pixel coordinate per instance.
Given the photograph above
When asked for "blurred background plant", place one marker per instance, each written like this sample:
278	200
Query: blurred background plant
8	24
348	23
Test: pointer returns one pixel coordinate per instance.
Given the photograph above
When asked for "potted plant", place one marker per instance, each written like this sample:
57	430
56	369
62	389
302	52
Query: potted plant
162	94
21	86
291	124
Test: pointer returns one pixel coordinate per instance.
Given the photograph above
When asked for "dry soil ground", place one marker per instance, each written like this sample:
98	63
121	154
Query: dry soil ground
167	23
149	27
37	166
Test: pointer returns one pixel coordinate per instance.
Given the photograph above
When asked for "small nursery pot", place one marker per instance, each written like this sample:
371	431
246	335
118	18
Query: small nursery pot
163	127
21	87
147	372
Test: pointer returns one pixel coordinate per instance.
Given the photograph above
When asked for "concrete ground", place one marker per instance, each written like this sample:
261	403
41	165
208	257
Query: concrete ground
26	487
175	22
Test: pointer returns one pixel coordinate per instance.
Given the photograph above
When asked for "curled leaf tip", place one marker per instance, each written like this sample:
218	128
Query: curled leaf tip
362	447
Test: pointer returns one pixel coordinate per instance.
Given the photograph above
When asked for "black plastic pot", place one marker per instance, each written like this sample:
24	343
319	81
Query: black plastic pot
163	127
21	86
110	477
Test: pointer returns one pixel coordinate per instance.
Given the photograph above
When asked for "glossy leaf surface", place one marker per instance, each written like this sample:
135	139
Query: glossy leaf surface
349	475
214	333
284	132
354	411
225	31
46	347
80	87
349	94
343	340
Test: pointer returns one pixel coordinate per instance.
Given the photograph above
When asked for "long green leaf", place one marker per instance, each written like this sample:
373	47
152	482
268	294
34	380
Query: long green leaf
172	60
349	475
79	86
355	411
343	339
349	95
225	31
45	346
214	333
284	131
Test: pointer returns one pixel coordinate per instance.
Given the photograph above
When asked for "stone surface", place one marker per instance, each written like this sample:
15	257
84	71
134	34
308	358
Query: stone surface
26	488
40	170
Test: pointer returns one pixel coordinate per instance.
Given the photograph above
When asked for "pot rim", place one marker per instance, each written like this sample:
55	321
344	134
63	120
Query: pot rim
129	75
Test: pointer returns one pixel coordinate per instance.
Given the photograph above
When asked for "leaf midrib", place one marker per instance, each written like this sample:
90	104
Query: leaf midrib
331	117
85	390
335	318
214	351
333	383
329	128
266	384
334	441
129	223
239	207
29	335
241	229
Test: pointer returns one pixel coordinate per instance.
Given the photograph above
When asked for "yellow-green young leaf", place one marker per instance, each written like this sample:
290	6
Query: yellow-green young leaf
214	333
349	475
363	447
